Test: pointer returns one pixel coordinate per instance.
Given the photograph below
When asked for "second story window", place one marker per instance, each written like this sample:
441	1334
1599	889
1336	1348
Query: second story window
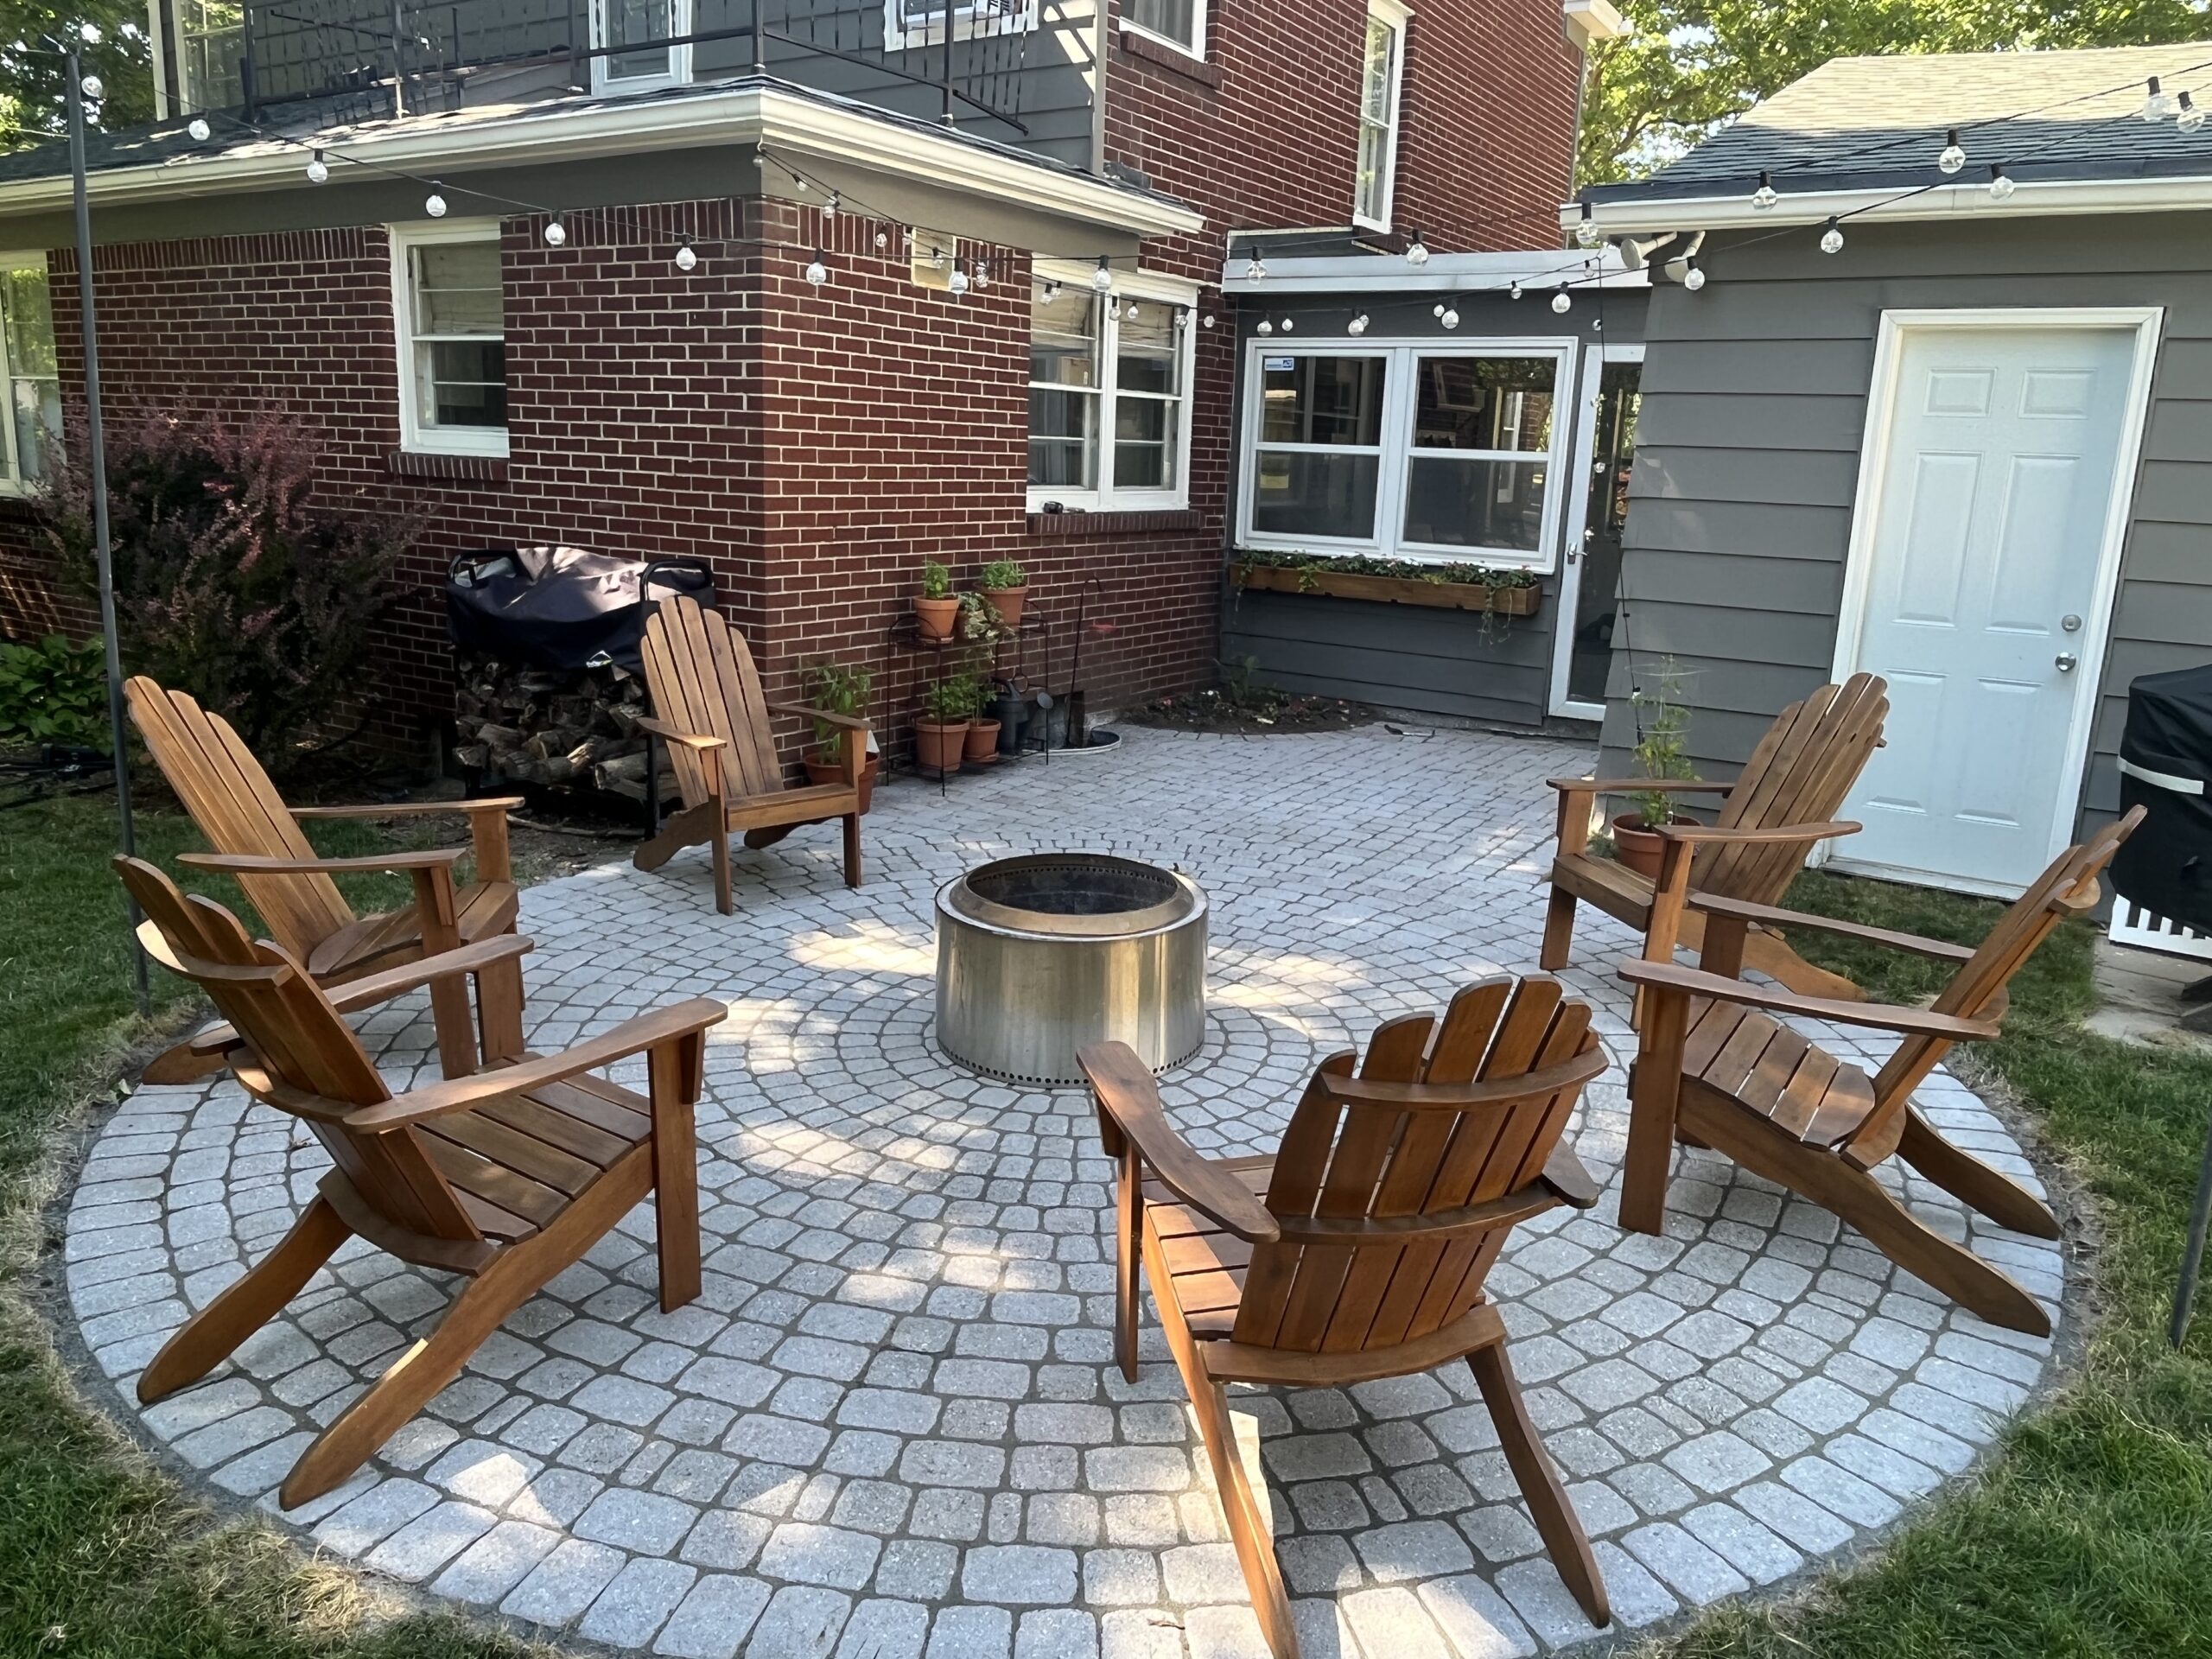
30	419
1180	23
208	33
916	22
649	26
452	355
1381	73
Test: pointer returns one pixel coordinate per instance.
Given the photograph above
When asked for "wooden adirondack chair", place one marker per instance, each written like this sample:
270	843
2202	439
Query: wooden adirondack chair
1361	1248
708	708
258	841
504	1177
1715	1070
1779	807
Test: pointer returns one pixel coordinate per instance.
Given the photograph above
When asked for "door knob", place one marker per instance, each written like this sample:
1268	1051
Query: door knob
2067	661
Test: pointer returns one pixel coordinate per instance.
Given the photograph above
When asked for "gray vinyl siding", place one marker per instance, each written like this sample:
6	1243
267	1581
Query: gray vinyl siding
1755	394
1496	671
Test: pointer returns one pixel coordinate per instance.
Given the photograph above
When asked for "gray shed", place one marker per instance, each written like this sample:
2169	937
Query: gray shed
1965	441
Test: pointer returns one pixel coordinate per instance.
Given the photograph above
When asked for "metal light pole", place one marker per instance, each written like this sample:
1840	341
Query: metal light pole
90	328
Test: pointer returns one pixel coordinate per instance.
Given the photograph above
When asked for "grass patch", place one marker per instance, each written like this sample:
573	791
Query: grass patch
2091	1534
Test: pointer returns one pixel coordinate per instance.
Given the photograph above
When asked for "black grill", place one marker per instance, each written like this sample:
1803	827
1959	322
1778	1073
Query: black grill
2166	766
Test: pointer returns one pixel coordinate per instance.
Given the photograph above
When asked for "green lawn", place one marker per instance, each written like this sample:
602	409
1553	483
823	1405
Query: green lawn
2091	1534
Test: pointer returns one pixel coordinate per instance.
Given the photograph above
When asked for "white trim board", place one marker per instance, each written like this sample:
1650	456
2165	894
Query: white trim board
1453	273
1967	199
2144	322
1575	524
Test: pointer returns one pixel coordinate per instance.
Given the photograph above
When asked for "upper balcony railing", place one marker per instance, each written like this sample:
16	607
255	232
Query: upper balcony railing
965	62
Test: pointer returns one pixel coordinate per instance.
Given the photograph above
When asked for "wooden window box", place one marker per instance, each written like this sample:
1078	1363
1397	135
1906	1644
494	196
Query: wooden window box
1390	590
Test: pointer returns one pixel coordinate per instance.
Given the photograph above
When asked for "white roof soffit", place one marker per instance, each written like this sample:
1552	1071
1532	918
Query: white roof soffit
1445	273
508	136
2034	198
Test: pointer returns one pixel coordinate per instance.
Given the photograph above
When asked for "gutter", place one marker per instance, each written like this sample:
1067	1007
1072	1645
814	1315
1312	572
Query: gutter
740	114
1969	198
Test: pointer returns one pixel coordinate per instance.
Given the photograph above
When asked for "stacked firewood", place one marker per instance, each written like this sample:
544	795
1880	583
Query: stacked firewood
531	725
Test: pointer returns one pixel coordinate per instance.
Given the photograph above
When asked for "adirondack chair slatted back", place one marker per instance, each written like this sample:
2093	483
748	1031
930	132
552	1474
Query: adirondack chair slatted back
1801	772
703	680
2068	888
238	811
302	1043
1388	1166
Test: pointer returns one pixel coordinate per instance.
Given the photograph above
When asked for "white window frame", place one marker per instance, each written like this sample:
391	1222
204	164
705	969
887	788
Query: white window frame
1396	18
1195	50
1143	288
12	482
1401	403
678	73
973	20
413	434
188	95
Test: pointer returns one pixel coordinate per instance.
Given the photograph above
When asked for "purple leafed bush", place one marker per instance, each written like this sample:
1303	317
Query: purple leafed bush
235	579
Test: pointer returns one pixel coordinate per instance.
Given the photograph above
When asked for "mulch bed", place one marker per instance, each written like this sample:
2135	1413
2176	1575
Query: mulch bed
1257	713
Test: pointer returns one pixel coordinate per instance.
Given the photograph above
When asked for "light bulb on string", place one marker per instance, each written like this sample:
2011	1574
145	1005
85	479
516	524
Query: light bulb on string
1586	232
1357	326
2001	183
1513	292
1265	328
1766	195
829	207
1451	317
1206	323
685	258
957	283
89	34
1113	311
1437	310
1832	237
93	87
1102	279
318	169
1562	302
937	258
883	239
1694	278
816	272
200	129
1182	318
434	205
1134	308
1256	268
1417	251
2157	103
2189	118
982	273
1051	292
1289	325
1954	155
557	233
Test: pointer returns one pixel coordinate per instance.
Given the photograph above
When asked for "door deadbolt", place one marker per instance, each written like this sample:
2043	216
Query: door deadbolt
2071	624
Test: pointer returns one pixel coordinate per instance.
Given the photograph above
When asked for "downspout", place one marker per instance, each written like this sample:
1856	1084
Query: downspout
1099	39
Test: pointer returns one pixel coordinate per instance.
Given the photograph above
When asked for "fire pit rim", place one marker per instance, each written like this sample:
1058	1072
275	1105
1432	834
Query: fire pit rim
959	898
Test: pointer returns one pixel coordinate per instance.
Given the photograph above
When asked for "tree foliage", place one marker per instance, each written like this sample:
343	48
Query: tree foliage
31	84
1692	66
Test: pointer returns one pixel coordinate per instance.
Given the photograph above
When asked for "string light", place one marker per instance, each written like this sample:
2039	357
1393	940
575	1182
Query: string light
1256	269
2157	104
555	233
685	258
1954	156
1289	325
2191	119
1206	323
93	87
1131	314
1586	232
434	205
982	273
816	272
1562	302
1357	326
1102	279
1766	195
318	169
1437	310
1265	327
1832	237
2001	183
1451	317
1182	317
829	207
956	284
883	239
1051	292
1417	251
1693	277
1514	292
200	129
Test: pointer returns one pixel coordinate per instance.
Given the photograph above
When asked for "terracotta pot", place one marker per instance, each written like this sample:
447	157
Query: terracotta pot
983	743
819	770
937	747
1007	603
1640	848
934	618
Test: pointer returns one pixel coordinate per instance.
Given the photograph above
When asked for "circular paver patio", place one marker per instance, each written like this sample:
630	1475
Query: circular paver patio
890	1427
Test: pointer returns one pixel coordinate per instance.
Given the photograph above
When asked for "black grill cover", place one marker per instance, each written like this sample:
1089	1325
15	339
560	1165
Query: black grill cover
2163	866
561	609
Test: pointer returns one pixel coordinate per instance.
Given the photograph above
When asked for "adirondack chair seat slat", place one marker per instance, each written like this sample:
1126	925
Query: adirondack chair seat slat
1820	1105
1796	778
484	910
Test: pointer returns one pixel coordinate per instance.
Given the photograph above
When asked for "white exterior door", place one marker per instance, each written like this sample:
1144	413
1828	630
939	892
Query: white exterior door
1980	589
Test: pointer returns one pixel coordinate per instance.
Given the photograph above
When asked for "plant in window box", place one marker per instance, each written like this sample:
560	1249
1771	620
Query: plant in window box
1006	585
1495	590
937	607
1662	754
941	733
834	689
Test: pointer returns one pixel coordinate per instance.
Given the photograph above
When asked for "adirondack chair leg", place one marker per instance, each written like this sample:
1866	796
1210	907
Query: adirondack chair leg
1549	1503
1971	1181
1655	1100
1559	931
456	1023
1249	1530
179	1065
212	1334
725	896
498	1012
1769	953
852	849
675	1072
686	829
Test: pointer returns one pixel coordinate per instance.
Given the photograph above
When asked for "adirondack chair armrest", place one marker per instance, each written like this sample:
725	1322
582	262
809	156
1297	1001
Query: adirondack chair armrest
1129	1111
500	803
632	1036
1665	976
1565	1175
372	989
668	733
1636	786
393	863
1765	835
847	722
1774	916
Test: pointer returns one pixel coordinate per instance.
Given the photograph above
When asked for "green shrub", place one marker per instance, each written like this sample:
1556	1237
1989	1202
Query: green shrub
53	692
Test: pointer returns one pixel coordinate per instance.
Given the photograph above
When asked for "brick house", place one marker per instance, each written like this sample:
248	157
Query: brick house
606	332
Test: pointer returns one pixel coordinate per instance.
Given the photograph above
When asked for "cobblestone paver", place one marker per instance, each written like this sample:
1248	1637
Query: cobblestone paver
890	1426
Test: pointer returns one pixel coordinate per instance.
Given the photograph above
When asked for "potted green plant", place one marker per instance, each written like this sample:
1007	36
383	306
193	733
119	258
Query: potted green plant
1663	754
937	607
1005	584
940	734
835	689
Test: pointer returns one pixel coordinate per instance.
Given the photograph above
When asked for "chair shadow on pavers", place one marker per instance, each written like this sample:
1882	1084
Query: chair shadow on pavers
1716	1070
503	1178
1361	1248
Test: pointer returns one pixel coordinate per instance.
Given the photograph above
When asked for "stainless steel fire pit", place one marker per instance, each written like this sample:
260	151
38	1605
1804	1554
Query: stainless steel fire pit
1037	956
